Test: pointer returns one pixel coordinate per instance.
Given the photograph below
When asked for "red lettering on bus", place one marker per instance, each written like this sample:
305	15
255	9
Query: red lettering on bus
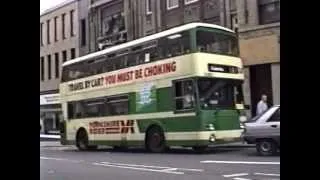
127	76
138	74
111	79
111	127
160	69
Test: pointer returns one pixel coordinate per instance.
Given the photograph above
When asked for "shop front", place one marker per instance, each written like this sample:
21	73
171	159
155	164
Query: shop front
50	113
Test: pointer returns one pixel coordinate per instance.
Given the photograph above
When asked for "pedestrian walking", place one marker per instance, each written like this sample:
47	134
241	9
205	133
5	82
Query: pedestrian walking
262	105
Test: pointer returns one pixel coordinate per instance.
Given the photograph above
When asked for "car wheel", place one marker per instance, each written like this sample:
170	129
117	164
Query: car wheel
266	147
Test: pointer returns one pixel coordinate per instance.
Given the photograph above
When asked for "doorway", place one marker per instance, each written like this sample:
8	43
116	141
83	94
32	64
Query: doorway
260	83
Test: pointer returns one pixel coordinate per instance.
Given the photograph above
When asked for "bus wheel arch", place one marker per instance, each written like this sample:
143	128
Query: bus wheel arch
155	140
82	140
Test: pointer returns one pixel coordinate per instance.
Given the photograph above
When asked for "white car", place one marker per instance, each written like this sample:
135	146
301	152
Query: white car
264	131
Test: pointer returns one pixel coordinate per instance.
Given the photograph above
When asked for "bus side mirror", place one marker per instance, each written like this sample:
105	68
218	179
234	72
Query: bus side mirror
247	106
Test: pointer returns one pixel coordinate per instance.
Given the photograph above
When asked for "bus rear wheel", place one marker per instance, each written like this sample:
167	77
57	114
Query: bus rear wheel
155	140
83	141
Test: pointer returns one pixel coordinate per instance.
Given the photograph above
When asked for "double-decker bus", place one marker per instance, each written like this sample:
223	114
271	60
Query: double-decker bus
178	87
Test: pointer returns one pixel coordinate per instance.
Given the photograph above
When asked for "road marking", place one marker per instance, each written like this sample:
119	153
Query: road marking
241	162
138	168
170	169
60	159
264	174
156	167
237	178
235	175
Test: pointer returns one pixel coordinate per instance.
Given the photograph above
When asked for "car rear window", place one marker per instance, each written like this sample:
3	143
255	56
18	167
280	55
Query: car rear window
254	119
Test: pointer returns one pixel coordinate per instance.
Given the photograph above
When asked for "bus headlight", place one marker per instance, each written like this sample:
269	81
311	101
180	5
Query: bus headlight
212	138
241	126
210	127
242	118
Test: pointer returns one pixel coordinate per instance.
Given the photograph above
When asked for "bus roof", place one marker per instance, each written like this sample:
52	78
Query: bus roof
145	39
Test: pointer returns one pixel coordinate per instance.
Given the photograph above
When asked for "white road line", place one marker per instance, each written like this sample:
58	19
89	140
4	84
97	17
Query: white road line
170	169
235	175
237	178
137	168
137	165
264	174
241	162
148	166
60	159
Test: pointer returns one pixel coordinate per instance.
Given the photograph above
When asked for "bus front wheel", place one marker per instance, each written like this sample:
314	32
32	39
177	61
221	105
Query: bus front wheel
155	140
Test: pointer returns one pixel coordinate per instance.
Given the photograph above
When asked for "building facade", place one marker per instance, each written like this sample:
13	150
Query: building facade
108	23
259	33
256	21
63	36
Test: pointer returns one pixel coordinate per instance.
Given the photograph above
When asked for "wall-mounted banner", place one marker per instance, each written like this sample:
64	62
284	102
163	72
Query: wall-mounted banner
49	99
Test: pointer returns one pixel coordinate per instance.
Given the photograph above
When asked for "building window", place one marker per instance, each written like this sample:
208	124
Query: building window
64	56
48	31
233	5
112	24
171	4
73	53
63	19
189	1
41	34
71	23
234	22
148	7
269	11
49	66
83	32
55	29
42	68
57	64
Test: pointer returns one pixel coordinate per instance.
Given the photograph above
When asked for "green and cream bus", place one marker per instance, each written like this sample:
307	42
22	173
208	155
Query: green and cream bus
179	87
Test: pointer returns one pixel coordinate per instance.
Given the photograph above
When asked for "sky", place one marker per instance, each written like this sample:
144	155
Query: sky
46	4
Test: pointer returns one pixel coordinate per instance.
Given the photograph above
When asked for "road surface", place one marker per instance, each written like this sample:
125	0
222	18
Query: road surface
221	163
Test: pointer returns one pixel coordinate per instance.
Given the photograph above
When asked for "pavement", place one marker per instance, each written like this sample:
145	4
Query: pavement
220	163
